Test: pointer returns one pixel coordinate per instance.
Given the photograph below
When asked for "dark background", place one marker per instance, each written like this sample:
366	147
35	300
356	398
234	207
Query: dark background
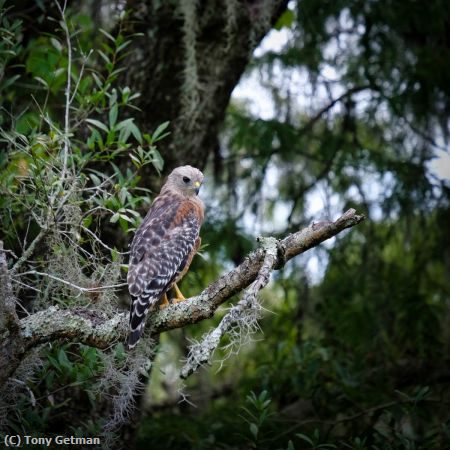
345	104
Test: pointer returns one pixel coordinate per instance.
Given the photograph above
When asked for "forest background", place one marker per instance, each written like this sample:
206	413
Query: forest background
296	111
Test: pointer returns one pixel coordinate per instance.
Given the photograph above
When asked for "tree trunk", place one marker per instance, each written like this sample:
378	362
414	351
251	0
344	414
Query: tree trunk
186	65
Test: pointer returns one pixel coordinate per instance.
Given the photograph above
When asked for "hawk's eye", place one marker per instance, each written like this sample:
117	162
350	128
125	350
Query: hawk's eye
186	179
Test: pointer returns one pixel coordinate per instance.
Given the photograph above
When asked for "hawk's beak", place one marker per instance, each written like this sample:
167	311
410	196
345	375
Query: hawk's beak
197	185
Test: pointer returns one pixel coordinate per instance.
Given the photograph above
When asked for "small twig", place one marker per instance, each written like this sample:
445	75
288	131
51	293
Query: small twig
30	392
68	283
87	230
66	147
28	252
25	285
11	252
85	58
98	208
77	246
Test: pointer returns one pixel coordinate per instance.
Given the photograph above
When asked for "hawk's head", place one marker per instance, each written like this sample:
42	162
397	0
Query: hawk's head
186	179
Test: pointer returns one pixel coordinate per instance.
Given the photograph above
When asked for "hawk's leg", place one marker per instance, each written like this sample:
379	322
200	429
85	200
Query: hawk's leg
179	296
164	302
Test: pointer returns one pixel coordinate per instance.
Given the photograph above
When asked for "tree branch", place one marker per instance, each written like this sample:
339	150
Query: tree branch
29	251
8	316
310	124
201	353
89	327
66	148
96	329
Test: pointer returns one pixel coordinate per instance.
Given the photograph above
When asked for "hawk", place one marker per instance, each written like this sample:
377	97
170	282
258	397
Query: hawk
164	245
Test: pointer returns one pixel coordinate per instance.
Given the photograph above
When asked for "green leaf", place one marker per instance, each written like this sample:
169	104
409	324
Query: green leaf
305	438
9	82
92	139
157	161
113	112
120	352
63	25
114	255
125	93
133	213
122	46
158	132
56	44
136	132
117	71
97	80
254	430
112	97
123	124
129	125
54	363
63	360
124	135
111	137
286	20
49	377
42	81
126	218
105	33
123	224
105	58
123	195
136	95
95	179
87	221
98	124
136	161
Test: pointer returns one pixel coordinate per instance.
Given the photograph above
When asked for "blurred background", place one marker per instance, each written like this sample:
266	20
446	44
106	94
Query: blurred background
295	111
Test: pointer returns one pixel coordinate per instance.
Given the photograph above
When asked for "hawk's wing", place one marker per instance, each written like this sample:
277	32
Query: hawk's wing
159	252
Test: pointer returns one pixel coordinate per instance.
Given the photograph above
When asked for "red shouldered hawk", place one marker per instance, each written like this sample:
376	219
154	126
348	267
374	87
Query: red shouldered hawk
164	245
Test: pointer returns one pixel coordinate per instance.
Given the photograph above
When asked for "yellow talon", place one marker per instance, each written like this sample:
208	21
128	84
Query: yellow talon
179	296
164	302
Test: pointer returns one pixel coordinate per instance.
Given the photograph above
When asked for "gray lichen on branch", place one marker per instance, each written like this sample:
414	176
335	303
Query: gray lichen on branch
78	324
8	316
99	330
244	314
206	303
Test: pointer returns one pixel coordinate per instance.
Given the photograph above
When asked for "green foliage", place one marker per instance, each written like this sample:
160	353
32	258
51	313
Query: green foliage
70	169
10	48
256	414
33	164
64	386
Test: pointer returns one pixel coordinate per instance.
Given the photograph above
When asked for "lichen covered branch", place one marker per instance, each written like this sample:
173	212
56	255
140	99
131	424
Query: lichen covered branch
101	331
89	327
8	316
206	303
201	352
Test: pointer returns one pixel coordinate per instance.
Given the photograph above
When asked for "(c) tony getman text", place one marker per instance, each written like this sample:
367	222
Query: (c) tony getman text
17	440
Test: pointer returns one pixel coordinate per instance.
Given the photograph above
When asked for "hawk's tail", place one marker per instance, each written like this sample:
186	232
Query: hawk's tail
139	309
134	336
